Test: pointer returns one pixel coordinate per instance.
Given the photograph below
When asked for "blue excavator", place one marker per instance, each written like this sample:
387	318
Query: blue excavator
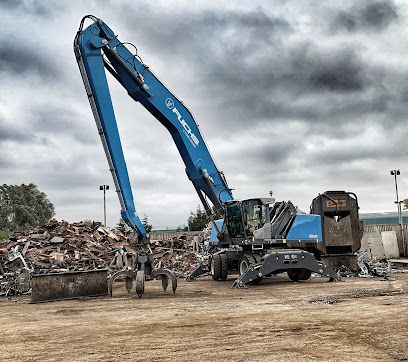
255	237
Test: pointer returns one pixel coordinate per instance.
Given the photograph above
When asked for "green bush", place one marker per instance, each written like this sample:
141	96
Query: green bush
23	206
4	234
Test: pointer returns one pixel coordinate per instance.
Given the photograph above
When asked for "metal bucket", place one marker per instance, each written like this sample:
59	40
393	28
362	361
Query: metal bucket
69	285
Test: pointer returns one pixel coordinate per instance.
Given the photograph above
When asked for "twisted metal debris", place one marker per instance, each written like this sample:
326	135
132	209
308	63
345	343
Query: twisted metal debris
59	246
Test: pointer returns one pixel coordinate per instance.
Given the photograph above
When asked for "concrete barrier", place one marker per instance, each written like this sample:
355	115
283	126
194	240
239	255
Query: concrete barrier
389	241
372	240
370	229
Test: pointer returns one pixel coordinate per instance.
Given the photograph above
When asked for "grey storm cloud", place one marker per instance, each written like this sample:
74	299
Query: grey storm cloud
34	7
44	124
341	71
294	86
198	30
17	57
10	133
297	97
54	120
348	155
249	65
262	151
366	15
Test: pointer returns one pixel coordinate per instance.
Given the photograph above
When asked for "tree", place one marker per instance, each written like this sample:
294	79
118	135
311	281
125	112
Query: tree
145	222
198	220
126	229
123	227
23	206
405	204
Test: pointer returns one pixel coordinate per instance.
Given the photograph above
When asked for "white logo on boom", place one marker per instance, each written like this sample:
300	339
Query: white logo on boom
169	103
187	130
186	127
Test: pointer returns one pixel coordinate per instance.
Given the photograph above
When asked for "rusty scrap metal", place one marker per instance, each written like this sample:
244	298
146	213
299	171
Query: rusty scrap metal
370	266
60	247
341	227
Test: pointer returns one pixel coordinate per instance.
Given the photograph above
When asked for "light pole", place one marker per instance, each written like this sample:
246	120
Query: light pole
404	246
396	173
104	188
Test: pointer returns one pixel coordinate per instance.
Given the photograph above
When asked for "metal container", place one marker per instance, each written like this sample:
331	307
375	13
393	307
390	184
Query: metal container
69	285
342	229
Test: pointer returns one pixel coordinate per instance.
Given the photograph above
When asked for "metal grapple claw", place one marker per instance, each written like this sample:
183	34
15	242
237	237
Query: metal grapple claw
140	280
165	275
127	275
128	284
143	270
165	282
140	276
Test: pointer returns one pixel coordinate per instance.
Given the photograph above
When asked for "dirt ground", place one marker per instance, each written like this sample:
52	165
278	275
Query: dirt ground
352	320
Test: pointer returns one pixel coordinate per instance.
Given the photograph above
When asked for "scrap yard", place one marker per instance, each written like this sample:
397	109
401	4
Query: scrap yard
359	319
362	317
285	249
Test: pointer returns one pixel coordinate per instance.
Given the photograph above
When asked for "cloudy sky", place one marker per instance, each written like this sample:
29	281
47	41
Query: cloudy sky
297	97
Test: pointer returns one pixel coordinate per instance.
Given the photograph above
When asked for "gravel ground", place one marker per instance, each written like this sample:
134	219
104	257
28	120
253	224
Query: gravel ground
353	320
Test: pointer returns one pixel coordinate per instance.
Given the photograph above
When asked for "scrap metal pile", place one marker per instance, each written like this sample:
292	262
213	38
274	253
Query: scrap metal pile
368	266
176	254
60	247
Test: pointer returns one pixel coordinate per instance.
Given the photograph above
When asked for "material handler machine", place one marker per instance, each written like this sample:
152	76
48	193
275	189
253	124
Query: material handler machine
255	237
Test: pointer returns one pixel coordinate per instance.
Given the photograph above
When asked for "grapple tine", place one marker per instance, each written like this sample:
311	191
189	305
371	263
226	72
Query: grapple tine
174	283
166	274
128	275
140	279
129	284
165	282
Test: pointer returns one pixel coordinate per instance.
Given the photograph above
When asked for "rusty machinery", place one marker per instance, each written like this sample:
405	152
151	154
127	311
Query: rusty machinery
341	227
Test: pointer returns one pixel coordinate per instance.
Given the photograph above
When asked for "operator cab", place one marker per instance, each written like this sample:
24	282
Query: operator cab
244	217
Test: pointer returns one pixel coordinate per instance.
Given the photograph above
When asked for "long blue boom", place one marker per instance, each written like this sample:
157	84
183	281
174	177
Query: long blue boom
96	49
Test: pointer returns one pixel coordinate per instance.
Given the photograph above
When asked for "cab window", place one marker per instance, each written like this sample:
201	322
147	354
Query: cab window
254	216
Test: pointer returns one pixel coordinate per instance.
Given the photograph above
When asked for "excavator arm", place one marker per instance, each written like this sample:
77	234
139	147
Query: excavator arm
97	48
